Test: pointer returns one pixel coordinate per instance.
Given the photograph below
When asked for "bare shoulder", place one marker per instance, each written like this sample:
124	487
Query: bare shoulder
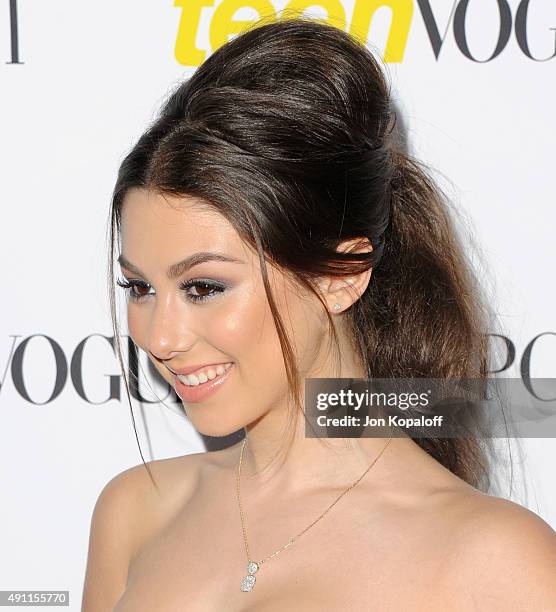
129	509
503	556
490	553
157	486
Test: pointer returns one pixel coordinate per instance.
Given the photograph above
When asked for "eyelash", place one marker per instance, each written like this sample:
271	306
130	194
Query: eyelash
129	285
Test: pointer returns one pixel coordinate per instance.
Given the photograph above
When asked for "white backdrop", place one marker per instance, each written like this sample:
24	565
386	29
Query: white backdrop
90	78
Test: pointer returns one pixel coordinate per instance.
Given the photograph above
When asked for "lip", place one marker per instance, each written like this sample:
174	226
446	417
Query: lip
199	393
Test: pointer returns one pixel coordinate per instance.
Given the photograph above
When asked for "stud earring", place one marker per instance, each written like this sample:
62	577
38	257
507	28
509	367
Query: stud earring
337	306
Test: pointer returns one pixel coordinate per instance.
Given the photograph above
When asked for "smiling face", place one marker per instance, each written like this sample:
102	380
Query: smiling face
214	312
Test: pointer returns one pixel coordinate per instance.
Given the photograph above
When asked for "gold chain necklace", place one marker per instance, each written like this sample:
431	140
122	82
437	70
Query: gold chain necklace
248	582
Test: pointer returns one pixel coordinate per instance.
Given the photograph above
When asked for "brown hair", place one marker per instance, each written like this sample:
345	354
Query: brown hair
288	132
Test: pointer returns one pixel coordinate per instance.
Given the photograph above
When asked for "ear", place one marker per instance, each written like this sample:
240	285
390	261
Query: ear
344	291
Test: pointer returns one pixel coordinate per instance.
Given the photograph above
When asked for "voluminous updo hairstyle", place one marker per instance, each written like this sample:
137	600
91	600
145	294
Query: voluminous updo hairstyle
288	132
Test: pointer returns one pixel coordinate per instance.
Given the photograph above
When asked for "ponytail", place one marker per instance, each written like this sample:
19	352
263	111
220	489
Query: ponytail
421	315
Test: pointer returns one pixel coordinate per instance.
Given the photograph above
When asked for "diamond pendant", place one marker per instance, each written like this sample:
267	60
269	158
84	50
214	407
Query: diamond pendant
248	582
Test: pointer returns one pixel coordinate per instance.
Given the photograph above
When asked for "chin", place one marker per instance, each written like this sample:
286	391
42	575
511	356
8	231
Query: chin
218	422
215	428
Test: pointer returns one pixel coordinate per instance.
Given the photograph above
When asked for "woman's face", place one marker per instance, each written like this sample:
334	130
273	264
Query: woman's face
214	312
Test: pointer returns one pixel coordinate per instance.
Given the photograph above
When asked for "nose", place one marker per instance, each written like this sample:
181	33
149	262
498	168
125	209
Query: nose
169	330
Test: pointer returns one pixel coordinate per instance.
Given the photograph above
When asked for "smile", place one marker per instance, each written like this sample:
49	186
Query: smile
203	375
193	389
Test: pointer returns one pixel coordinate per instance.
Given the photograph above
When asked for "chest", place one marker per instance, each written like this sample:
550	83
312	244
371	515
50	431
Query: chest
355	560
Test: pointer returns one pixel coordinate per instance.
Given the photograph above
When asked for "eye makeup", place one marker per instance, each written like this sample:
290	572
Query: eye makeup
206	289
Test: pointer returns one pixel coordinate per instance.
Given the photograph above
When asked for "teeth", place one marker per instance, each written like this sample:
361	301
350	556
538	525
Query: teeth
203	376
193	380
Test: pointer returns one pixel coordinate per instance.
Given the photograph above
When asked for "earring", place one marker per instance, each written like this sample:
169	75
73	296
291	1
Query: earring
337	306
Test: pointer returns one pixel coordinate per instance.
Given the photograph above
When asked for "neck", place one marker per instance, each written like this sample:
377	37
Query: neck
269	464
278	457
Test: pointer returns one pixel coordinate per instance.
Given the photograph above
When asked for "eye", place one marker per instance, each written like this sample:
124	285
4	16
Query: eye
134	288
205	289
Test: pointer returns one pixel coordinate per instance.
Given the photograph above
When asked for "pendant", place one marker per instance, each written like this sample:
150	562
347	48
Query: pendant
248	582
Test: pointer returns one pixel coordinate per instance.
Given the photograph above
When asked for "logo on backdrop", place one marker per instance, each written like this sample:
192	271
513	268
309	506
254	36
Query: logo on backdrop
68	369
222	25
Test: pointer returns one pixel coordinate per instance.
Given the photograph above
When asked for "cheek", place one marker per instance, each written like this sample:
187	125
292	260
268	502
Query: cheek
253	339
245	330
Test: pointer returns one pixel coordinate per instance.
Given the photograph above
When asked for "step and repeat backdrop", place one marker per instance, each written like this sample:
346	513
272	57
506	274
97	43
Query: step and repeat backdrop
475	84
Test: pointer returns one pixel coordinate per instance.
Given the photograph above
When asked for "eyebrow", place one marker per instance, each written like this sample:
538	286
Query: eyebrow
177	269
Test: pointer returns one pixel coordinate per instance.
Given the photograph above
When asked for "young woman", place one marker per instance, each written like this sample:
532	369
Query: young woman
271	230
